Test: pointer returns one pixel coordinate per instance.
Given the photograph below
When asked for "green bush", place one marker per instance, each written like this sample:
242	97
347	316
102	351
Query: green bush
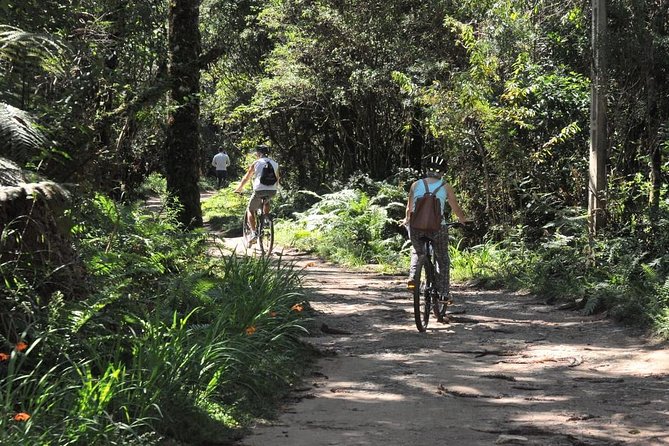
347	226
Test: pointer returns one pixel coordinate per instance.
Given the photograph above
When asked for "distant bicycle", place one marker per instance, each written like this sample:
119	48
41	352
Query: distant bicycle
426	299
264	230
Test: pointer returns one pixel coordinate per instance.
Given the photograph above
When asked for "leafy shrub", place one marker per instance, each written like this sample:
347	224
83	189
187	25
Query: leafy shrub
347	226
224	210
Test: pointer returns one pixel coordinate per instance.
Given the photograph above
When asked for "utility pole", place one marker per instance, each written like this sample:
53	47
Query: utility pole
598	134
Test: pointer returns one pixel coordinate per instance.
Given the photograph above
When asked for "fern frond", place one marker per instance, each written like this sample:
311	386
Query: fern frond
310	193
591	305
20	137
43	50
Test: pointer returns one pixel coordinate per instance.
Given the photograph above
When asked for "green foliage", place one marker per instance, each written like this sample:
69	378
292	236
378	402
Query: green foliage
224	211
154	184
352	226
20	135
487	265
170	343
626	277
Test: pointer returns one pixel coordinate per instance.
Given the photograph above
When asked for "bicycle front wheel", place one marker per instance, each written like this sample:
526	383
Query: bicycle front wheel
422	295
246	232
266	234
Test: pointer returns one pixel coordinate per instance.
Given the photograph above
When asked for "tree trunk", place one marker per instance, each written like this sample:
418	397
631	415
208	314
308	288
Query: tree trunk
416	140
183	144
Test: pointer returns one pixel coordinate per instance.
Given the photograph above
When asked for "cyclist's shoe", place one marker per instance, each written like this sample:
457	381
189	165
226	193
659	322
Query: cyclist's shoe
445	299
411	284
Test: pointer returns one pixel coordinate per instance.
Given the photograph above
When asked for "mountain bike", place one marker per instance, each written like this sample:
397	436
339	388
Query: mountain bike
264	229
426	299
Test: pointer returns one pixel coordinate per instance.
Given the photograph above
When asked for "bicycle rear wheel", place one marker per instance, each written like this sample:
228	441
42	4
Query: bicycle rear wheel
266	234
443	300
441	303
422	295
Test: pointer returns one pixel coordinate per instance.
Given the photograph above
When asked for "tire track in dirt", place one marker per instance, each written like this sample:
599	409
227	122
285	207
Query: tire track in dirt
509	370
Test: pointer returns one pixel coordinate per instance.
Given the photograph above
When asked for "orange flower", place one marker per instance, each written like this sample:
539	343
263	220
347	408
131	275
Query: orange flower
4	357
250	330
21	416
21	346
272	314
297	307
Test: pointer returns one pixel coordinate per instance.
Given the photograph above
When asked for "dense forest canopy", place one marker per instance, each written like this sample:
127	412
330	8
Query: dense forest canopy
104	93
498	87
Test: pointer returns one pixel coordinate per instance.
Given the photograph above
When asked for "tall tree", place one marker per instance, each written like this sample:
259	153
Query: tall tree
183	142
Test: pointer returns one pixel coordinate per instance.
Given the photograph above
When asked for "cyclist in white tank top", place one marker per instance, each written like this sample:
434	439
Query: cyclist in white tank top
260	190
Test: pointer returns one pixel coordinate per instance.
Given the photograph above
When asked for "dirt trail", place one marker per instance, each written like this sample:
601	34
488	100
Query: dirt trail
508	370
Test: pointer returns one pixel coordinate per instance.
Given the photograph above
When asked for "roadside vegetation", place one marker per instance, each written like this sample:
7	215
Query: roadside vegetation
165	342
623	274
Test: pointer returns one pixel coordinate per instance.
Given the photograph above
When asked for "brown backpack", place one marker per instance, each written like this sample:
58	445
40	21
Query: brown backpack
427	214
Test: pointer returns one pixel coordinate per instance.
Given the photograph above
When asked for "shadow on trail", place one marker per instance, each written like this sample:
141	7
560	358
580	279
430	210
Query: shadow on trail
511	366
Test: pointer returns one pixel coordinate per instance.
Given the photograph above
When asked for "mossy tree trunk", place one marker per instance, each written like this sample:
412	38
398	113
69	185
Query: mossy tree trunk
183	144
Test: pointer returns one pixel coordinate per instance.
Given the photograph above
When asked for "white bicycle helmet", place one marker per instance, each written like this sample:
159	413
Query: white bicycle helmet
434	163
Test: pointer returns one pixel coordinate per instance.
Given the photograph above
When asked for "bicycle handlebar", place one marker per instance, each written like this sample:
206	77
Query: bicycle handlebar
457	224
451	224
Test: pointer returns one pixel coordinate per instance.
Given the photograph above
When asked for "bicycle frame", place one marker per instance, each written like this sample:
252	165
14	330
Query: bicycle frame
264	228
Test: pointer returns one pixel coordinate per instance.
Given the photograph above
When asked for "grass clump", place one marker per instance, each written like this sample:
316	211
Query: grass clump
224	210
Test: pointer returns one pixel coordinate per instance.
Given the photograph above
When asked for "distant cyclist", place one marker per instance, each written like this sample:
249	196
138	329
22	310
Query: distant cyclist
434	168
265	174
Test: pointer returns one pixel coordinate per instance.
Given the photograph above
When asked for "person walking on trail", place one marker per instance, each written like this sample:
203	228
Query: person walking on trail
433	182
265	174
221	161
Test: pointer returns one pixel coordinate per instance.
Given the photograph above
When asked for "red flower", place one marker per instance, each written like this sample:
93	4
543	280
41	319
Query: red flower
21	416
4	357
20	346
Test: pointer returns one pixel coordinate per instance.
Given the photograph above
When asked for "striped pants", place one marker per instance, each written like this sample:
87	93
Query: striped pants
440	249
